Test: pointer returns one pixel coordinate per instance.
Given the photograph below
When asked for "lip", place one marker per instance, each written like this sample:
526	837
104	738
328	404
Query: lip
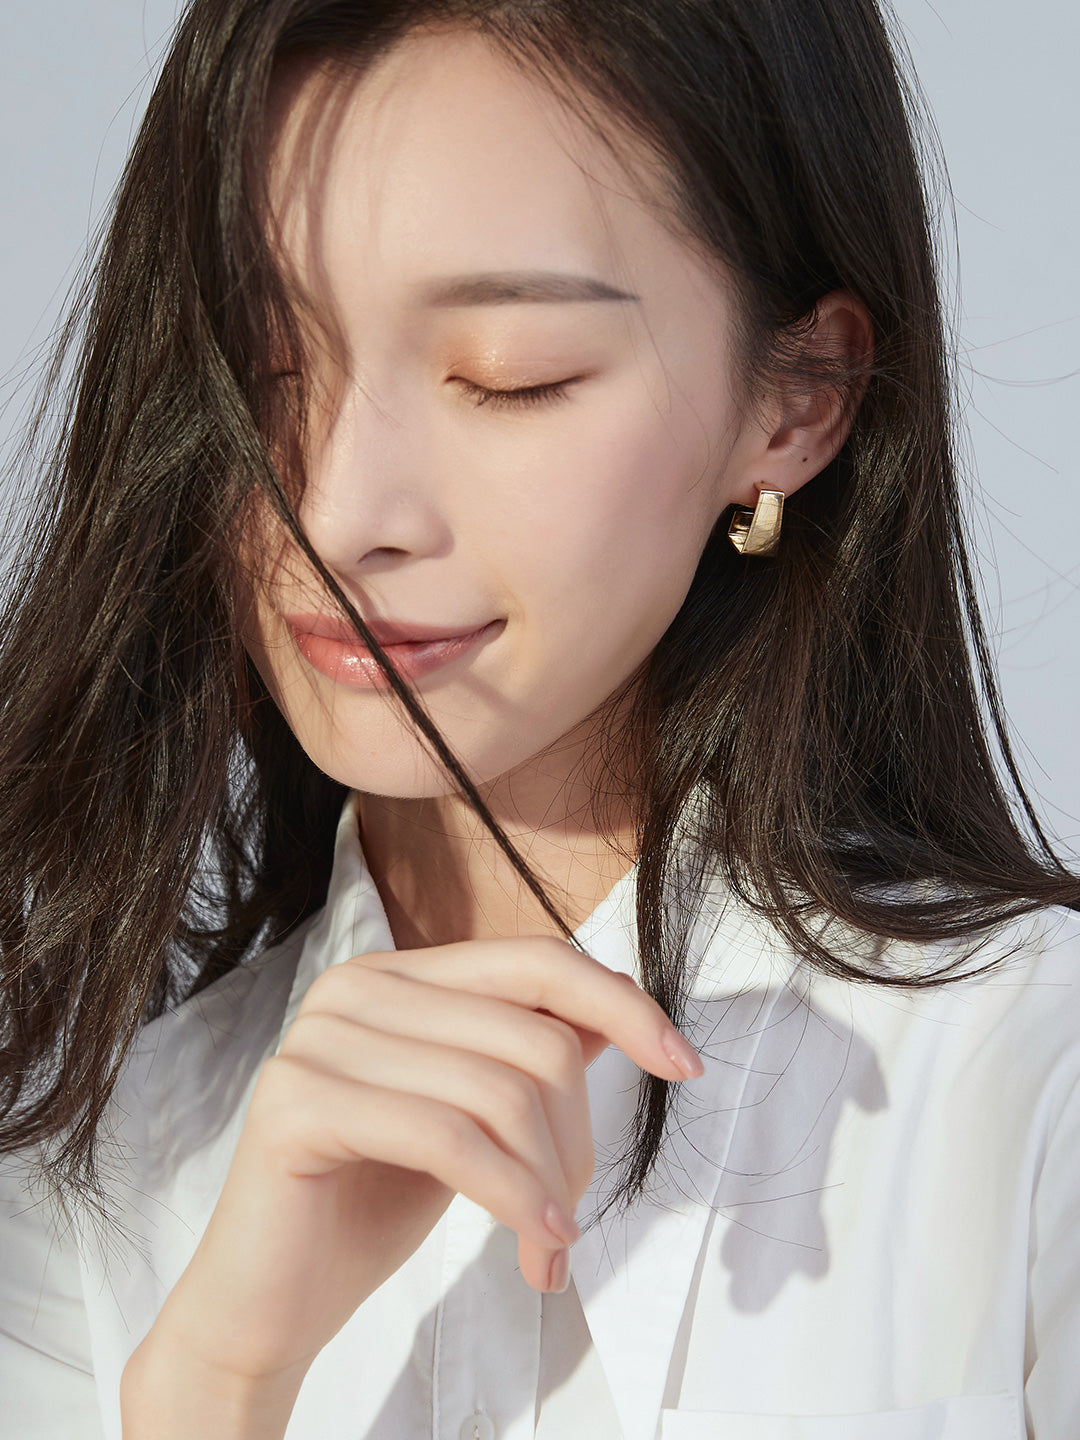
328	645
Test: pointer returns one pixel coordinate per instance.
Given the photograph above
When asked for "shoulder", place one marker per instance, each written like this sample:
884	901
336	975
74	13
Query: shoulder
1007	1038
1027	991
183	1090
1000	1049
1030	965
210	1040
234	1017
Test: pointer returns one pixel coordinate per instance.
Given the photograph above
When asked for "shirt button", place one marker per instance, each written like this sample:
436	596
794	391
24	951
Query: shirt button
477	1427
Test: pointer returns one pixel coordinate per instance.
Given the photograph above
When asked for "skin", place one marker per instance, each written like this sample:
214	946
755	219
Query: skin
579	521
456	1063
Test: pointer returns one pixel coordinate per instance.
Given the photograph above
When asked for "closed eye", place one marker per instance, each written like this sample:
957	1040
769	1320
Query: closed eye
523	397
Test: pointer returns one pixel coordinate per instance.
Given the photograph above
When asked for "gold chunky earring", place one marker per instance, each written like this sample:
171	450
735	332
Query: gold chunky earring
757	531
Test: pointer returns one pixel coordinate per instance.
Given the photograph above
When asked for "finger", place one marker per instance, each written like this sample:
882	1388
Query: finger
541	973
545	1047
505	1100
321	1121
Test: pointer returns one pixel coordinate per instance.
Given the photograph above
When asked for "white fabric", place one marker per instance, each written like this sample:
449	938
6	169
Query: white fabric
866	1225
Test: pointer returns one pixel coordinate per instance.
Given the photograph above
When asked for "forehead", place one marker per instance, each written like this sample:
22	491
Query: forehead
446	158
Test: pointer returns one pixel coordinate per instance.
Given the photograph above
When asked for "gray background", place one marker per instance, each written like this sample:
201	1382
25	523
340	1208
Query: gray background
74	77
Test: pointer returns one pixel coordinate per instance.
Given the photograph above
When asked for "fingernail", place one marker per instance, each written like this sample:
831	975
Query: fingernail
683	1056
559	1278
563	1226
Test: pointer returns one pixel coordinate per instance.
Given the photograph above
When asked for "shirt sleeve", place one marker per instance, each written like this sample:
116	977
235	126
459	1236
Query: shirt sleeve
47	1386
1052	1389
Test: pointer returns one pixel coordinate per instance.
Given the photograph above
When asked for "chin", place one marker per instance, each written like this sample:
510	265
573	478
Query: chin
406	771
422	780
379	752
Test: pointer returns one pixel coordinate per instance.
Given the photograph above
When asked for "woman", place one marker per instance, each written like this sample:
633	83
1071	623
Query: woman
505	543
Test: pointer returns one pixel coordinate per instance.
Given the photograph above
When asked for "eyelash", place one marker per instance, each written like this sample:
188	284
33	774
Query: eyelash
522	398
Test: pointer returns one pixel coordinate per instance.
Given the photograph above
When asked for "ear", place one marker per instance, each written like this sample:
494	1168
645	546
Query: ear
805	422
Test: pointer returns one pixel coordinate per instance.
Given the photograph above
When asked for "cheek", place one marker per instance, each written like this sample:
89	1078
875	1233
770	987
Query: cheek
606	526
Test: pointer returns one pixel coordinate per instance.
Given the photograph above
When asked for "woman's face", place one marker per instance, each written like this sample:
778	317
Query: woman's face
452	232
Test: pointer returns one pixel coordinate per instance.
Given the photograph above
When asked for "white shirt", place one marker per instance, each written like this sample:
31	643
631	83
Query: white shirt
866	1225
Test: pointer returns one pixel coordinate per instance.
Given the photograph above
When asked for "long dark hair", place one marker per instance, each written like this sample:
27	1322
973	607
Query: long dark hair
810	726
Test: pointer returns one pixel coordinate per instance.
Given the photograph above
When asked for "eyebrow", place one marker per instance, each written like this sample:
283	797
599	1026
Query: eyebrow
514	287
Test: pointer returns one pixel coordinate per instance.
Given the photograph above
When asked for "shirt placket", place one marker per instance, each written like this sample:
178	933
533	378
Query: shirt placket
487	1333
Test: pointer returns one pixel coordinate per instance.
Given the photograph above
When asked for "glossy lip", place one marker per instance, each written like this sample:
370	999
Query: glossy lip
327	643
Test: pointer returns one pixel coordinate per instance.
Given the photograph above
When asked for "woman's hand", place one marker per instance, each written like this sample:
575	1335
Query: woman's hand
406	1076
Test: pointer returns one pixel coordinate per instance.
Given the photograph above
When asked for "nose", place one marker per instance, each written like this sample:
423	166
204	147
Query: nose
369	500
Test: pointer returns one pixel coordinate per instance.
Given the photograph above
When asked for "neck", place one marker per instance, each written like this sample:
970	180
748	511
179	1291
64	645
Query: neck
442	876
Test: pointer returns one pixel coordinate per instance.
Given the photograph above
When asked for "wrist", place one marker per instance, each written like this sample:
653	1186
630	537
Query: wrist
167	1393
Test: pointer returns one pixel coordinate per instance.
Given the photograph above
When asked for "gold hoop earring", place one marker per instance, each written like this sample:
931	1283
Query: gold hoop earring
757	531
